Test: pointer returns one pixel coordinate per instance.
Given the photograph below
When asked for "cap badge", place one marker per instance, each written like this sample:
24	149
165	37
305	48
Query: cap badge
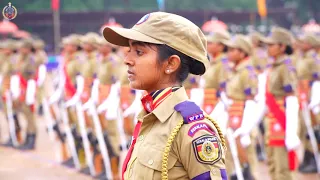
143	19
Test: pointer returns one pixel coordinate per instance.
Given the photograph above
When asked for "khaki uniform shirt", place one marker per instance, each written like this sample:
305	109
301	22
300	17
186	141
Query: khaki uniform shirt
195	152
243	82
307	67
259	58
88	68
192	81
41	58
105	74
318	64
6	71
296	57
282	78
216	75
72	66
26	66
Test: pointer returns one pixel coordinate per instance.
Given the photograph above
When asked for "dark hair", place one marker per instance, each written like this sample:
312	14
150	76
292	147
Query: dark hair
79	48
260	44
289	50
187	65
225	48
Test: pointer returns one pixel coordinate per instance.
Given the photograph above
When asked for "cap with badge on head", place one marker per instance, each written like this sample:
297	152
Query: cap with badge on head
310	39
90	38
9	44
71	40
256	36
38	44
279	36
241	42
25	43
218	36
172	30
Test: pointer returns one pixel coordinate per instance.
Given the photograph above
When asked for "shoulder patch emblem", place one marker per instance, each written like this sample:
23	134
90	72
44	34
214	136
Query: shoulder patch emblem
199	126
189	111
207	149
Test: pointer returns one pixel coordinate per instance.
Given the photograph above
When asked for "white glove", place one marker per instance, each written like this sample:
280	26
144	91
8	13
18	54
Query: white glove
262	80
77	96
202	82
197	96
87	105
15	86
258	112
42	73
245	141
95	91
226	101
0	80
248	119
222	121
31	92
292	140
112	111
218	110
315	97
136	105
109	101
58	93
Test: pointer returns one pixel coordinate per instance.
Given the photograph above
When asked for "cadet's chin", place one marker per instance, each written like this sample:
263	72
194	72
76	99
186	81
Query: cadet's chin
135	85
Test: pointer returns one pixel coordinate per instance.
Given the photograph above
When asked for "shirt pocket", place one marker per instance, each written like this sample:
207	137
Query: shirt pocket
151	159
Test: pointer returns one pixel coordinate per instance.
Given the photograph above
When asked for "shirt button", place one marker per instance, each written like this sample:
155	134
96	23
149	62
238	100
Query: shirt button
150	162
141	138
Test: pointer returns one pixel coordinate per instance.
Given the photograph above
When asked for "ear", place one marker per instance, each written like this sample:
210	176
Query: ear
172	64
283	48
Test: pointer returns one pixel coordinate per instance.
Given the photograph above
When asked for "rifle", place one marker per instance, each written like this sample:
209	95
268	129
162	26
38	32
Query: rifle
12	128
85	139
70	138
234	153
313	140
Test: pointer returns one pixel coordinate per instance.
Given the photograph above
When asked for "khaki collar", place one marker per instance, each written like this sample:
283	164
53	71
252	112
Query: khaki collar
281	60
218	58
166	108
310	53
242	65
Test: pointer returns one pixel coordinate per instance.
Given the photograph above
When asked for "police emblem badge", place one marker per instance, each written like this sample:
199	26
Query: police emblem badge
9	12
207	149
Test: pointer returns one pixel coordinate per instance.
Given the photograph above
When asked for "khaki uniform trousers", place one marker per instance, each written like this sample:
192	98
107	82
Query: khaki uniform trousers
277	160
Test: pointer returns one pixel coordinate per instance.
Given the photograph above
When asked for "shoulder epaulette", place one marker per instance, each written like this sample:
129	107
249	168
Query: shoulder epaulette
288	62
251	70
189	111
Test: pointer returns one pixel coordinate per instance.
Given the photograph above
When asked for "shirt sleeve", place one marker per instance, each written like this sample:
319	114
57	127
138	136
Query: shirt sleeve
249	80
201	151
289	79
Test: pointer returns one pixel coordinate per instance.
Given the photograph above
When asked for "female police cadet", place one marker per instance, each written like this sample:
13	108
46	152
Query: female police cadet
173	137
281	107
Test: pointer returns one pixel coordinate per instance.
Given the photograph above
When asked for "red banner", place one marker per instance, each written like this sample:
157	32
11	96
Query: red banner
55	5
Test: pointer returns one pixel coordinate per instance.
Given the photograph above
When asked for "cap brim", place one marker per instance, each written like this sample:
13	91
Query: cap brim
229	44
268	40
121	36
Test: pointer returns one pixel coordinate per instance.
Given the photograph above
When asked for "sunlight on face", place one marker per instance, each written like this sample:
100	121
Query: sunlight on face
234	54
274	50
143	69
